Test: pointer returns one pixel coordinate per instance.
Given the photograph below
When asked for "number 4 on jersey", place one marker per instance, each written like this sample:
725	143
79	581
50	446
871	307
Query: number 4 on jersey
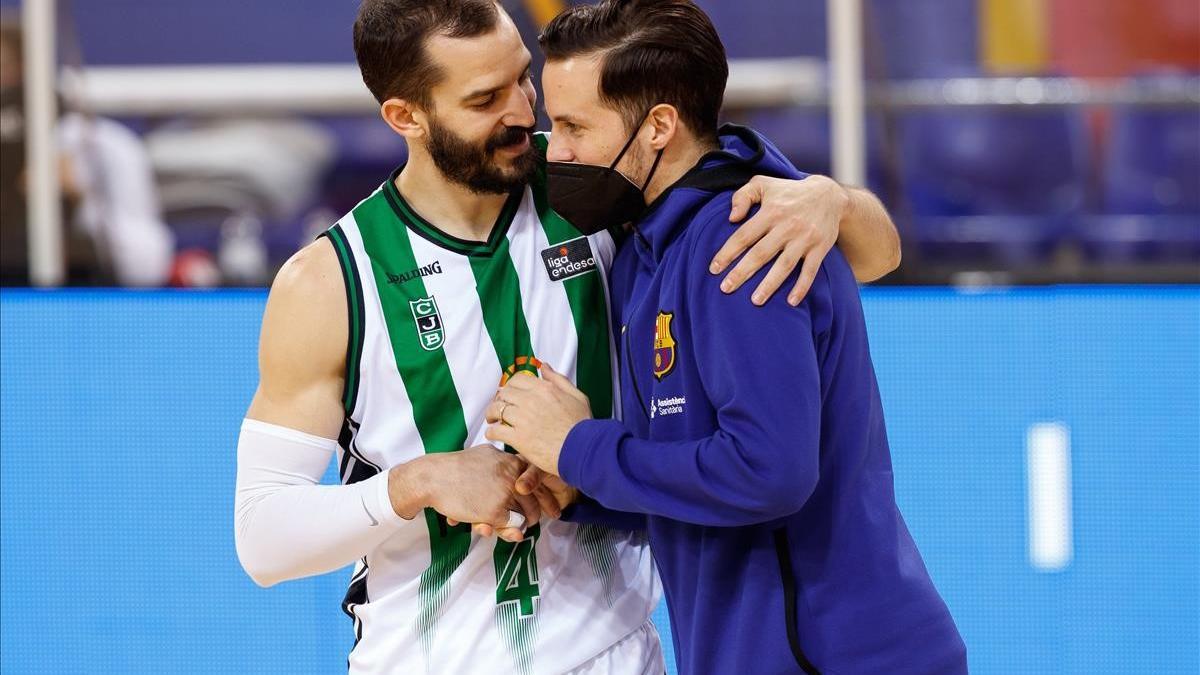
516	572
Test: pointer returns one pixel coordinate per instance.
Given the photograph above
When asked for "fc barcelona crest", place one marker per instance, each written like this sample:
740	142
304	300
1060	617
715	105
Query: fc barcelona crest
429	323
664	345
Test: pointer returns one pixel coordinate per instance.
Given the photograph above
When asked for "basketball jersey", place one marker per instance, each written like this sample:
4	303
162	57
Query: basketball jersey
436	325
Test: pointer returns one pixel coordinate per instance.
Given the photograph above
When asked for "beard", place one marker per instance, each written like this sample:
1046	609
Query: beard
473	164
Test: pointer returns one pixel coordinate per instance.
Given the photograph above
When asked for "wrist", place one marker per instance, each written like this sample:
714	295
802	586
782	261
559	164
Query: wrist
577	449
408	487
844	200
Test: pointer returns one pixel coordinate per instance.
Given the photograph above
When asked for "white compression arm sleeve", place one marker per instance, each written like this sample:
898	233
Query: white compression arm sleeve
286	525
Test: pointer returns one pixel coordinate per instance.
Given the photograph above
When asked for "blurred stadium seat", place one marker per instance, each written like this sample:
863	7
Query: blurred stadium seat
802	134
1153	162
1150	188
992	183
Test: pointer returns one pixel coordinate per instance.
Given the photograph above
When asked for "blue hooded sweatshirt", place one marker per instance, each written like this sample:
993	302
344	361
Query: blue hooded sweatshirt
753	441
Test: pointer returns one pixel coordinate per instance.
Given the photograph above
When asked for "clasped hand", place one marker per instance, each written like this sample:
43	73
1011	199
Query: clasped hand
533	416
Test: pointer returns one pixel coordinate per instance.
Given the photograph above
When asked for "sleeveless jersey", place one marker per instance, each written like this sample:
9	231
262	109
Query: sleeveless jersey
436	324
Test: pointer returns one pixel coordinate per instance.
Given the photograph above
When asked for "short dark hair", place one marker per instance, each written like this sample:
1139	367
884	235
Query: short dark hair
390	41
654	51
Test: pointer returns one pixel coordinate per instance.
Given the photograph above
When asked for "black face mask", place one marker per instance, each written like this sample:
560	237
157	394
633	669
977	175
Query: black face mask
594	198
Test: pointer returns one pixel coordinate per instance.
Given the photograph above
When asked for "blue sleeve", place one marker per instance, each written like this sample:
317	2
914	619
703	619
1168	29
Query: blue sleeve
760	372
589	511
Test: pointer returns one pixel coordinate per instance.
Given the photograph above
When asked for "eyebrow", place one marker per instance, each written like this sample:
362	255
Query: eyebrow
565	119
480	93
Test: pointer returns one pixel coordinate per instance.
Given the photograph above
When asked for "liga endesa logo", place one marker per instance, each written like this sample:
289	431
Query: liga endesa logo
569	259
529	365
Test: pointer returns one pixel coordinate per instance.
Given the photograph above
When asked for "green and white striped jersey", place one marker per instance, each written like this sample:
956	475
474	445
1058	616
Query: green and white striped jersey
436	323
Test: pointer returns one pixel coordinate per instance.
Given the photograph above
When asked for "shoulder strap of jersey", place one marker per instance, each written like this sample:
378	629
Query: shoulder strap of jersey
355	311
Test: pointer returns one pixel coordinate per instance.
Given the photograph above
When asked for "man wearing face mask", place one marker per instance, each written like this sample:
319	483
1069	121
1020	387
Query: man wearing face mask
382	345
752	439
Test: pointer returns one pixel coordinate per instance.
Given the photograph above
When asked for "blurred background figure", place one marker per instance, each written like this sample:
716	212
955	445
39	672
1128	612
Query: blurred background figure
115	233
231	185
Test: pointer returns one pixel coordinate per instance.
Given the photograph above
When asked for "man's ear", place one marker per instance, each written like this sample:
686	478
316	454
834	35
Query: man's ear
663	124
404	117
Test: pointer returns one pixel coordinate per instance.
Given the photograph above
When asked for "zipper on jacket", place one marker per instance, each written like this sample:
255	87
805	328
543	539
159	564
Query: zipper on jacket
632	375
784	555
640	240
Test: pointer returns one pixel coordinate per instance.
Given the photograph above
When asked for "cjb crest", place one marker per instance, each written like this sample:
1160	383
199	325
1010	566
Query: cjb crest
429	323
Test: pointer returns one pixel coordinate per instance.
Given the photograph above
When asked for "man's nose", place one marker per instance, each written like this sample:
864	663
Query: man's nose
518	112
558	150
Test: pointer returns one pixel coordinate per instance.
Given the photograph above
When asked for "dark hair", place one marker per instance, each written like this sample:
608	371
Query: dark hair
654	51
390	41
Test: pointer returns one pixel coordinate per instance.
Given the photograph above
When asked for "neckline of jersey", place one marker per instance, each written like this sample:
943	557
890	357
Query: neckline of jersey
432	233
